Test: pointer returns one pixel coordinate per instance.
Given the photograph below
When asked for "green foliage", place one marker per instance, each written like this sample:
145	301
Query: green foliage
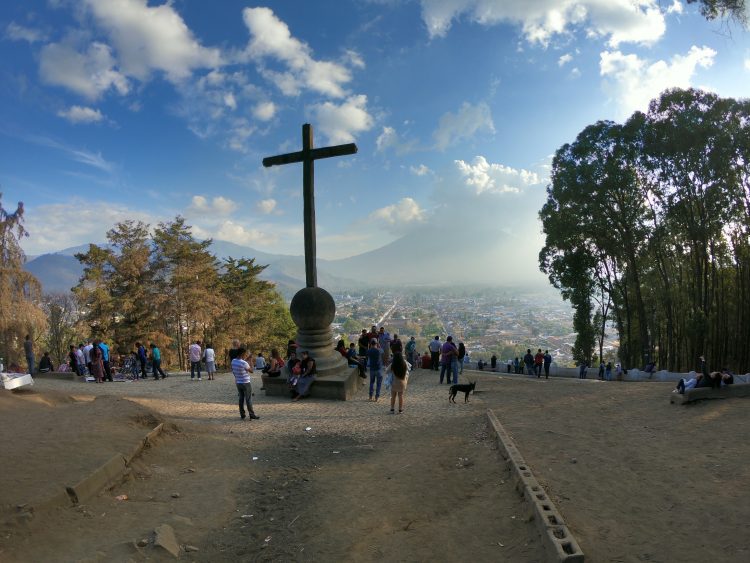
647	223
20	291
713	9
170	290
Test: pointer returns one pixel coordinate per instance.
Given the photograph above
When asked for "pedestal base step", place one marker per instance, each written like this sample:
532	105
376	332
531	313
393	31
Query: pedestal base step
341	386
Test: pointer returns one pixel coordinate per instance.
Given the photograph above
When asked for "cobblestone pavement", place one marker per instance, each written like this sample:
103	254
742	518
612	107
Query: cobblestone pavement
215	403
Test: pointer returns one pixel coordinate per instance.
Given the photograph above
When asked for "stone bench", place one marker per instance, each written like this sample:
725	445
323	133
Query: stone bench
690	395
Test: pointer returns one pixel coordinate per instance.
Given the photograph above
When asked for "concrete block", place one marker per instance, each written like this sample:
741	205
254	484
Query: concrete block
164	539
556	537
104	477
690	395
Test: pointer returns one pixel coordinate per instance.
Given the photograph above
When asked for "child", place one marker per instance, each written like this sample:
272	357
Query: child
209	356
400	371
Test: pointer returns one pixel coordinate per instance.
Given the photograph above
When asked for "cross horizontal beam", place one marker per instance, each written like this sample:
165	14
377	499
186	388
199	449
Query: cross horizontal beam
312	154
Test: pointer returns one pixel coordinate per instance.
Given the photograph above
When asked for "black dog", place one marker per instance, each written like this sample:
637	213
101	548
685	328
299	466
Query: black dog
465	388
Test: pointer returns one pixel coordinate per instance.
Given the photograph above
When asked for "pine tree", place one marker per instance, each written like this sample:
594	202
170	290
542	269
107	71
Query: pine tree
189	296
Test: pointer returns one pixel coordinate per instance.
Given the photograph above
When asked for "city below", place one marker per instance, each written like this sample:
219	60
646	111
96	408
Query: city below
489	321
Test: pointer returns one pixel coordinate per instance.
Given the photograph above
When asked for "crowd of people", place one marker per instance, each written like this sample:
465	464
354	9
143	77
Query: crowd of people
385	356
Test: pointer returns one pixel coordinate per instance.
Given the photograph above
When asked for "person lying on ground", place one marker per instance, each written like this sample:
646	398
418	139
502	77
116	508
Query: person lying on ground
690	383
713	380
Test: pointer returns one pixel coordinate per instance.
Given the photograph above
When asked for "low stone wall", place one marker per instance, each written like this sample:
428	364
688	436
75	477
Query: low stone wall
593	373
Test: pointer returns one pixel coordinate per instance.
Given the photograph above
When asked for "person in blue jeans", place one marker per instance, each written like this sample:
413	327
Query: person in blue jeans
375	360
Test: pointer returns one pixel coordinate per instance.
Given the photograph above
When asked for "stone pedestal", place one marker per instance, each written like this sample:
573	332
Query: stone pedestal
313	311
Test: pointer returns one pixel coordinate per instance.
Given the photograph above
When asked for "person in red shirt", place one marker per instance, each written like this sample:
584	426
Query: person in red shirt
538	362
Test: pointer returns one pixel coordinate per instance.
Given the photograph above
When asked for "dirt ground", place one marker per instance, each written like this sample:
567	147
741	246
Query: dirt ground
636	479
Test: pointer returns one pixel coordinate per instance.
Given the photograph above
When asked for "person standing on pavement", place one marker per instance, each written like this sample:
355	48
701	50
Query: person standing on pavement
528	361
435	352
81	360
241	371
547	363
375	361
97	362
195	353
411	352
156	361
142	358
105	360
538	362
449	361
363	342
384	340
28	350
210	357
87	354
461	357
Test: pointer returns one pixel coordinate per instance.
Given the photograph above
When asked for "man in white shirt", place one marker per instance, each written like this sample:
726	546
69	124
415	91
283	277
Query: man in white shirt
81	360
195	353
87	354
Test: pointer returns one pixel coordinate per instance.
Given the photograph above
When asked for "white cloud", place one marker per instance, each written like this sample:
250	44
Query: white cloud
675	8
240	131
575	72
89	73
563	60
747	63
218	205
271	38
16	32
637	21
230	101
463	125
484	176
400	216
354	58
95	160
79	114
267	206
149	38
264	111
78	221
340	123
234	232
388	138
633	82
420	170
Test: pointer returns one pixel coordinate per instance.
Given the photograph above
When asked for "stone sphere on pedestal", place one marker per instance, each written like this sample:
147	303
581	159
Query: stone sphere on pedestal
312	308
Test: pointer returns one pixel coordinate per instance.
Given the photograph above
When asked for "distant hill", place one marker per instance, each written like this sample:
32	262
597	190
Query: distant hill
428	256
58	273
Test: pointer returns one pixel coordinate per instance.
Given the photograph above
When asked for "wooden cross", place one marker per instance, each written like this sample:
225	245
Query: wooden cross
307	156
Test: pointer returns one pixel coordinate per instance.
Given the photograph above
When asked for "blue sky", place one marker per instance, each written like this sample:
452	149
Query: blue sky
135	109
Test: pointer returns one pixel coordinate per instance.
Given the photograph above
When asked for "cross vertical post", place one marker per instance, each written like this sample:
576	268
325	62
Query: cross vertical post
307	156
308	195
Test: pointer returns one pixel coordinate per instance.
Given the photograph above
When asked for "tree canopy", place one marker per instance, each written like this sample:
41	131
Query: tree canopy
652	217
20	291
168	288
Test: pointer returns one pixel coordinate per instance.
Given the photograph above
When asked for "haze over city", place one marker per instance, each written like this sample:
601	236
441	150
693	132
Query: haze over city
143	110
